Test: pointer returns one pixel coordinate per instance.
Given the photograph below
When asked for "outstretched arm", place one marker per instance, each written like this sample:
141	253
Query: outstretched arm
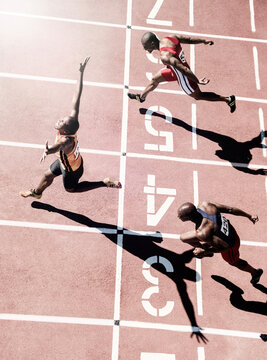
78	93
190	40
168	59
236	211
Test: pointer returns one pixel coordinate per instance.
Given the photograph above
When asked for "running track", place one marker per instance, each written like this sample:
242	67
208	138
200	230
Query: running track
81	278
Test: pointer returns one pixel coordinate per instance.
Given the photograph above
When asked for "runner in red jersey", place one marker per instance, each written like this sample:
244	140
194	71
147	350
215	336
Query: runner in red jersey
69	163
177	69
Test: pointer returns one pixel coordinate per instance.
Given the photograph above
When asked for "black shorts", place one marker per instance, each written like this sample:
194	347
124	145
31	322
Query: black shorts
70	179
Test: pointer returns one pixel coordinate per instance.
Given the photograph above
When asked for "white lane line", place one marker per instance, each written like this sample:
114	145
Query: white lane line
200	353
191	13
58	80
262	129
107	85
256	68
54	18
57	319
117	296
194	161
38	146
184	328
143	28
214	36
45	226
140	155
194	126
125	323
198	261
252	15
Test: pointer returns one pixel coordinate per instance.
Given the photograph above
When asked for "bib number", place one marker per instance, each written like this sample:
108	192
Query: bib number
182	56
225	226
77	151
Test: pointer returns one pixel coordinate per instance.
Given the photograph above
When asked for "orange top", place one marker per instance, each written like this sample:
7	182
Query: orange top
71	161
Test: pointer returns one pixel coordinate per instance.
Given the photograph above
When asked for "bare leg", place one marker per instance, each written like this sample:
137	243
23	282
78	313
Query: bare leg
46	181
208	96
244	266
156	80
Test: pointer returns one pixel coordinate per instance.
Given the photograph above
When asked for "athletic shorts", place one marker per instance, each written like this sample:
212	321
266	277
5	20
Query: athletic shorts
172	74
70	179
232	255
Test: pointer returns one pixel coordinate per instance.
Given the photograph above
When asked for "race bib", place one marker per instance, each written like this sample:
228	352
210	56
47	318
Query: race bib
182	56
76	151
224	226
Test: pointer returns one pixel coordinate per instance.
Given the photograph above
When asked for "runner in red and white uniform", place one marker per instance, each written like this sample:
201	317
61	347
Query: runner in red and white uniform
69	163
177	69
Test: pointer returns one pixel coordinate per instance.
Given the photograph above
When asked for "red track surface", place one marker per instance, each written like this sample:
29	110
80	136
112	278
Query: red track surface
53	263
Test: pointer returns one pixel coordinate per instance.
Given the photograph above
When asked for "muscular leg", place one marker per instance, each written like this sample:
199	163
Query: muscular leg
86	186
244	266
156	80
46	181
208	96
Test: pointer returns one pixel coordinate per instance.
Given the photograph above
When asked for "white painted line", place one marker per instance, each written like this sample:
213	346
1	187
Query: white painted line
214	36
57	319
194	161
144	28
58	80
200	353
45	226
159	22
254	243
38	146
191	13
194	126
125	323
262	129
256	68
117	295
192	57
252	15
184	328
198	261
53	18
155	9
108	85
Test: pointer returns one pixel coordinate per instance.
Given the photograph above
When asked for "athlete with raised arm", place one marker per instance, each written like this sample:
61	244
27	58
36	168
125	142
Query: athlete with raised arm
177	69
214	233
69	163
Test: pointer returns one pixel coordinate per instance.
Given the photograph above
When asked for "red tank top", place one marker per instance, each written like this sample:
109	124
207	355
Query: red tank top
176	50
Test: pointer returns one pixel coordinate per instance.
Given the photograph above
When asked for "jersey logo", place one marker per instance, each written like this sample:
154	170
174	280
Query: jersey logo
76	151
182	56
224	226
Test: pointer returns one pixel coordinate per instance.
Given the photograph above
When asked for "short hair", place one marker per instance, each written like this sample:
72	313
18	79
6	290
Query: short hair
148	37
187	209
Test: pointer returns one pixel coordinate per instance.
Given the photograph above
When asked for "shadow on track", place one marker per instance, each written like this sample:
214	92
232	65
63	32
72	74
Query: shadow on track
237	153
237	299
144	246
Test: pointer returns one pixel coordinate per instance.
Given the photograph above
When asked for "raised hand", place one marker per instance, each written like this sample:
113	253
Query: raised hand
254	218
83	65
204	81
45	152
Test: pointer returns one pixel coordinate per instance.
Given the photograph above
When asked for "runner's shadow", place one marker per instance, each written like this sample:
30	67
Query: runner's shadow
237	299
144	247
235	152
